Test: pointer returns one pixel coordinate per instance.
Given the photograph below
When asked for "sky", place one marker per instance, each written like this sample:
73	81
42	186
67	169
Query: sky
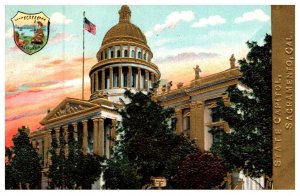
180	38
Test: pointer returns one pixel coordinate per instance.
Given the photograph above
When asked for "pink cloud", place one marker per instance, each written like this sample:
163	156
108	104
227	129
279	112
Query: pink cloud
28	99
14	49
59	37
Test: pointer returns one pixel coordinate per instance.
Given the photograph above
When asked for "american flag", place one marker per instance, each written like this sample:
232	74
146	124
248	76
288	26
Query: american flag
90	27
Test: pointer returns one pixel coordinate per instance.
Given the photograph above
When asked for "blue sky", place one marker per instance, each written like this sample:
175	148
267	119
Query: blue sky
181	36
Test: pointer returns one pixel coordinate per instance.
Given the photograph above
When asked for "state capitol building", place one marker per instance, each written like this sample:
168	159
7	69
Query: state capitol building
124	62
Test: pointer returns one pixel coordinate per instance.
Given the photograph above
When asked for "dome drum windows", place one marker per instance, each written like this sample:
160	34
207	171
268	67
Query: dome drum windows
125	53
112	54
118	53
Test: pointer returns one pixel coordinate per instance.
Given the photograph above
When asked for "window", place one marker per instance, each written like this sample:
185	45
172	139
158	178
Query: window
111	54
133	79
118	53
125	53
214	116
145	56
139	55
132	53
125	76
217	134
115	76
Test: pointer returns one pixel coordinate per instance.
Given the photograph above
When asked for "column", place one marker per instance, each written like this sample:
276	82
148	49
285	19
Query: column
85	137
152	79
139	79
135	52
100	136
65	129
75	131
95	135
121	51
178	113
192	122
129	52
92	83
106	52
111	77
47	147
33	142
147	79
142	55
113	130
103	79
57	136
129	76
199	124
39	145
96	81
120	77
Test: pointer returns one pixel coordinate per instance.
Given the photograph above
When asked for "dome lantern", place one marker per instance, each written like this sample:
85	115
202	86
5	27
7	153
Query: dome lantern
125	14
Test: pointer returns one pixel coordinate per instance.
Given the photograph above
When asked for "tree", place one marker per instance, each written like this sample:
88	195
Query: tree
147	145
248	145
75	170
199	171
24	167
10	182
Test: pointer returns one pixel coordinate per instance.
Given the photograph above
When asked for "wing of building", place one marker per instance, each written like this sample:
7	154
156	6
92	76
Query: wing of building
124	61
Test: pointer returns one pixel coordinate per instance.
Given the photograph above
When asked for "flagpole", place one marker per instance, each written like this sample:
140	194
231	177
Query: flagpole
83	56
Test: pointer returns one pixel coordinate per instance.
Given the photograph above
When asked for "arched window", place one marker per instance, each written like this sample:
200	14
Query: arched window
118	53
111	54
132	53
125	53
145	56
139	55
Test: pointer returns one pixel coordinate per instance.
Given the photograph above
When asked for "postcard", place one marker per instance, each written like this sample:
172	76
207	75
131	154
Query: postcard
150	97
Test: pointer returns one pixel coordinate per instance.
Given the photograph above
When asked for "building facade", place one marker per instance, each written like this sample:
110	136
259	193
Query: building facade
124	62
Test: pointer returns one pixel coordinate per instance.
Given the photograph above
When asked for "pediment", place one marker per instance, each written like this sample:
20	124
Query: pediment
69	107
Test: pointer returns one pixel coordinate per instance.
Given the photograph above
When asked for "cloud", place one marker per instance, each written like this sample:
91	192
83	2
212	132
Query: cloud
9	33
59	18
14	48
51	64
18	116
254	15
172	21
59	37
210	21
79	59
28	87
188	56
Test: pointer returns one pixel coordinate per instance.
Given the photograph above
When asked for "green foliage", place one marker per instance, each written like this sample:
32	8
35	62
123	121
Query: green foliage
75	170
120	174
199	171
23	163
10	182
248	146
148	145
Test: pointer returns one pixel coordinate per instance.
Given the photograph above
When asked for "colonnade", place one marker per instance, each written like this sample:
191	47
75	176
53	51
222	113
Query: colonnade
122	76
89	128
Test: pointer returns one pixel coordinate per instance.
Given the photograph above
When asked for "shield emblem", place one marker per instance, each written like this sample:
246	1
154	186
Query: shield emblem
31	31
